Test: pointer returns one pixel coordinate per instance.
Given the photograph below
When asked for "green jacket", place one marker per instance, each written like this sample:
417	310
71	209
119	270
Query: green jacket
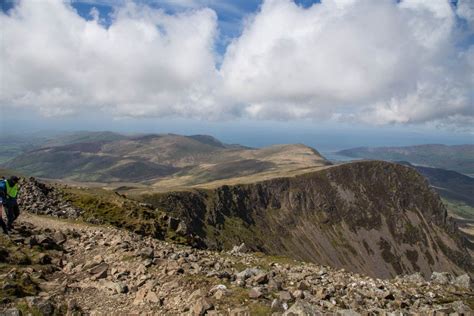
12	191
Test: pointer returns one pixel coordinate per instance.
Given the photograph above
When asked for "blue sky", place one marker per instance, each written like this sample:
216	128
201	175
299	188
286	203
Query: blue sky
230	13
361	72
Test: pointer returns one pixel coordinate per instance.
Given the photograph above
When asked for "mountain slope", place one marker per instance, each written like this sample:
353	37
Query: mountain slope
459	158
122	273
166	161
100	269
377	218
449	184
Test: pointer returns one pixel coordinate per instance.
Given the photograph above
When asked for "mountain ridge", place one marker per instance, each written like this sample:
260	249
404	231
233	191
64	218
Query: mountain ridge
328	216
153	158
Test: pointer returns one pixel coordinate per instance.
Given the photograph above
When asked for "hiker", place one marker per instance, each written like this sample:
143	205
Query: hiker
10	188
2	200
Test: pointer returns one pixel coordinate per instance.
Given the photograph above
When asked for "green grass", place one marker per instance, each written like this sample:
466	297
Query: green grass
105	207
26	310
459	208
18	258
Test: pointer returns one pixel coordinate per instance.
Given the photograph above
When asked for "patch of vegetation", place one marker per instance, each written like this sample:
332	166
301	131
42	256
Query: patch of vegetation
389	257
459	209
15	261
412	234
412	256
27	310
240	297
104	207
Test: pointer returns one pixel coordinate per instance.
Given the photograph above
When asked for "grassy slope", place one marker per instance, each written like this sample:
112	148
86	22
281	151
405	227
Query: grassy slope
166	161
104	207
459	209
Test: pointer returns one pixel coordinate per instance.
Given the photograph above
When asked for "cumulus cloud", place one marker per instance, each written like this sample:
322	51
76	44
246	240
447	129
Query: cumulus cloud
376	61
145	63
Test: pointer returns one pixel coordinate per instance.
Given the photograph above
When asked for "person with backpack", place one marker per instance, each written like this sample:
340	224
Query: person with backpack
10	204
2	200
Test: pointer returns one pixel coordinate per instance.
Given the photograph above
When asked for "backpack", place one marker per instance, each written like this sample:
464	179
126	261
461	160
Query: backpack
3	189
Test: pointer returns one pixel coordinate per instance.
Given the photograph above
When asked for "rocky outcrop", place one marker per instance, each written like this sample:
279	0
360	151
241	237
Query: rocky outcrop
372	217
38	198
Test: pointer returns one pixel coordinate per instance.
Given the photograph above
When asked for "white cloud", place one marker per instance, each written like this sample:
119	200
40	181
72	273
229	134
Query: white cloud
374	61
145	63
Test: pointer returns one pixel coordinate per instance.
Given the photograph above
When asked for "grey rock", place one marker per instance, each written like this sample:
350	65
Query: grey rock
100	270
201	306
278	306
414	278
242	248
302	308
442	278
46	308
146	253
255	293
285	296
247	273
116	287
182	229
11	312
462	281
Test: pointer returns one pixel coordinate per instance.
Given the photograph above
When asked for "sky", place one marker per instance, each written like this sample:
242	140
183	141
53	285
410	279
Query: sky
333	72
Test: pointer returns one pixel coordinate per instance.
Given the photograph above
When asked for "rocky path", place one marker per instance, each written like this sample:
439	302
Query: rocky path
103	270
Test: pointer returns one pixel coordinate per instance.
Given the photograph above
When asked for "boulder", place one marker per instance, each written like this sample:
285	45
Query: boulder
151	297
201	306
278	306
11	312
146	253
442	278
46	308
414	278
285	296
99	271
247	273
59	237
115	287
182	229
302	308
462	281
242	248
255	293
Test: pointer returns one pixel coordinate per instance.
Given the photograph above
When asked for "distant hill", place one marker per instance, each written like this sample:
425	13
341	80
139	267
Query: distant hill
13	145
83	137
456	189
459	158
449	184
163	160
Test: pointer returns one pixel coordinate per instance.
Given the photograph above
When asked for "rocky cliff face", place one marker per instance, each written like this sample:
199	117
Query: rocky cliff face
377	218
